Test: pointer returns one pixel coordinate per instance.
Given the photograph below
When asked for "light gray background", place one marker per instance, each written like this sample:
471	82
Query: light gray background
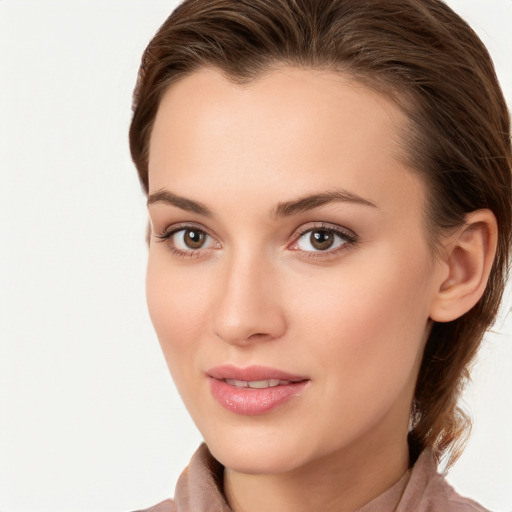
89	419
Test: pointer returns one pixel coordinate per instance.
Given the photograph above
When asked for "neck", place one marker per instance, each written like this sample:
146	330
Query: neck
343	481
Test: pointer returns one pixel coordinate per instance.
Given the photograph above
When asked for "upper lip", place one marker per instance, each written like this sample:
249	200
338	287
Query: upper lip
252	373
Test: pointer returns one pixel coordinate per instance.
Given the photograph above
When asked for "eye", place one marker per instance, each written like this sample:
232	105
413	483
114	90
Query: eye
192	238
187	240
323	239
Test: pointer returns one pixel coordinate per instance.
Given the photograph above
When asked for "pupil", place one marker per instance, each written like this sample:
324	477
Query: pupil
321	239
194	239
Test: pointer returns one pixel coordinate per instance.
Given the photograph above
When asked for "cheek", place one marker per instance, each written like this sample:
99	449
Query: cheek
176	305
178	311
372	315
364	330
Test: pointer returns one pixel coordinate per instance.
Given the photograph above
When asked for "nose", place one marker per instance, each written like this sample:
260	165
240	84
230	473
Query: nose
248	306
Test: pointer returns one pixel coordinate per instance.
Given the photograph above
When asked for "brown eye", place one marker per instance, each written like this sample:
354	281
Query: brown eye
193	238
189	240
321	239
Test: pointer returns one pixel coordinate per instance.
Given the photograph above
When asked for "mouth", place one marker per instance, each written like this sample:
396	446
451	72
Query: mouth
257	384
254	390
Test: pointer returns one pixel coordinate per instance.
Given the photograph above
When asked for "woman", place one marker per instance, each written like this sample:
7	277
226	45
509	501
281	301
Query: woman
329	194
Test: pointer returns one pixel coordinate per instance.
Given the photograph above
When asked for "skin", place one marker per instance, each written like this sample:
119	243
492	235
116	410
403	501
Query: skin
353	319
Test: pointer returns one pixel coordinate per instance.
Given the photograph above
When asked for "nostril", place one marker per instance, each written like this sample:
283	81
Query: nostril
243	336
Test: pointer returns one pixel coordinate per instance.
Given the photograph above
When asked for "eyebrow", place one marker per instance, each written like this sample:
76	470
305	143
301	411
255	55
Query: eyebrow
285	209
310	202
164	196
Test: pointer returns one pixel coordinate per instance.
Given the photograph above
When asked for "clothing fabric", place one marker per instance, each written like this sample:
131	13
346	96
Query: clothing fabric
421	489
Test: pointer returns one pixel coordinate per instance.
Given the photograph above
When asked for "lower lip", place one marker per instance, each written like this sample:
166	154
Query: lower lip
250	402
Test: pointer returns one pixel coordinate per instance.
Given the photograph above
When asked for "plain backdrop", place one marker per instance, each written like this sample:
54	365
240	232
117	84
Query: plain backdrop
89	418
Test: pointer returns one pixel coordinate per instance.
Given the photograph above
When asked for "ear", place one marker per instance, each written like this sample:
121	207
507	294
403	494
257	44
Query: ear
467	261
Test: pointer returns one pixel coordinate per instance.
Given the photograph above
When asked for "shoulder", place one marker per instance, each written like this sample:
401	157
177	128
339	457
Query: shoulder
438	494
446	498
428	491
163	506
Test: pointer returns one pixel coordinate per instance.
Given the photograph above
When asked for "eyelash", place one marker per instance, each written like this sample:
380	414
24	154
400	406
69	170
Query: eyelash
348	237
169	232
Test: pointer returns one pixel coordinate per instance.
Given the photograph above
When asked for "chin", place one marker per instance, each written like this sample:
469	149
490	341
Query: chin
257	452
255	460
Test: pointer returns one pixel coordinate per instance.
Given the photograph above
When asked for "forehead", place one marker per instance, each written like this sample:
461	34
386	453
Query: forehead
290	130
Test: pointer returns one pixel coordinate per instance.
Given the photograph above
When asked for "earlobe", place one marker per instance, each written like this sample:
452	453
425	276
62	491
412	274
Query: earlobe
469	256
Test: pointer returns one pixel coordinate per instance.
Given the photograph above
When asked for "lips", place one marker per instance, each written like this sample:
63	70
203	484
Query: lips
257	384
253	390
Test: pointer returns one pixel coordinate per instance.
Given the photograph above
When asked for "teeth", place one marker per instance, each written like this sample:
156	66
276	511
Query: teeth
237	383
257	384
260	384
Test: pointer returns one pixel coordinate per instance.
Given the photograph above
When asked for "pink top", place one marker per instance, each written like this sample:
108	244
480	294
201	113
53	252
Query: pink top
421	489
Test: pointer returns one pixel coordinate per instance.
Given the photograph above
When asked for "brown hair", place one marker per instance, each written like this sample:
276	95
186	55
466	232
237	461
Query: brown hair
432	64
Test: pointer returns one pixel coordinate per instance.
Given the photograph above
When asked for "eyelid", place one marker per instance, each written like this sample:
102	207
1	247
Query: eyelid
327	226
166	235
348	235
178	226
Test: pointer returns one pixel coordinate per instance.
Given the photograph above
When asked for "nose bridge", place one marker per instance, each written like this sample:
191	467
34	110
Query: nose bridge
248	306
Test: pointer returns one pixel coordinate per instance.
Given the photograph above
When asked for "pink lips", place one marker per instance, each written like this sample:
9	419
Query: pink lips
253	390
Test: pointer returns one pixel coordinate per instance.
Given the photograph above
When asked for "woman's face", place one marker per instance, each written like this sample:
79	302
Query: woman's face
290	279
